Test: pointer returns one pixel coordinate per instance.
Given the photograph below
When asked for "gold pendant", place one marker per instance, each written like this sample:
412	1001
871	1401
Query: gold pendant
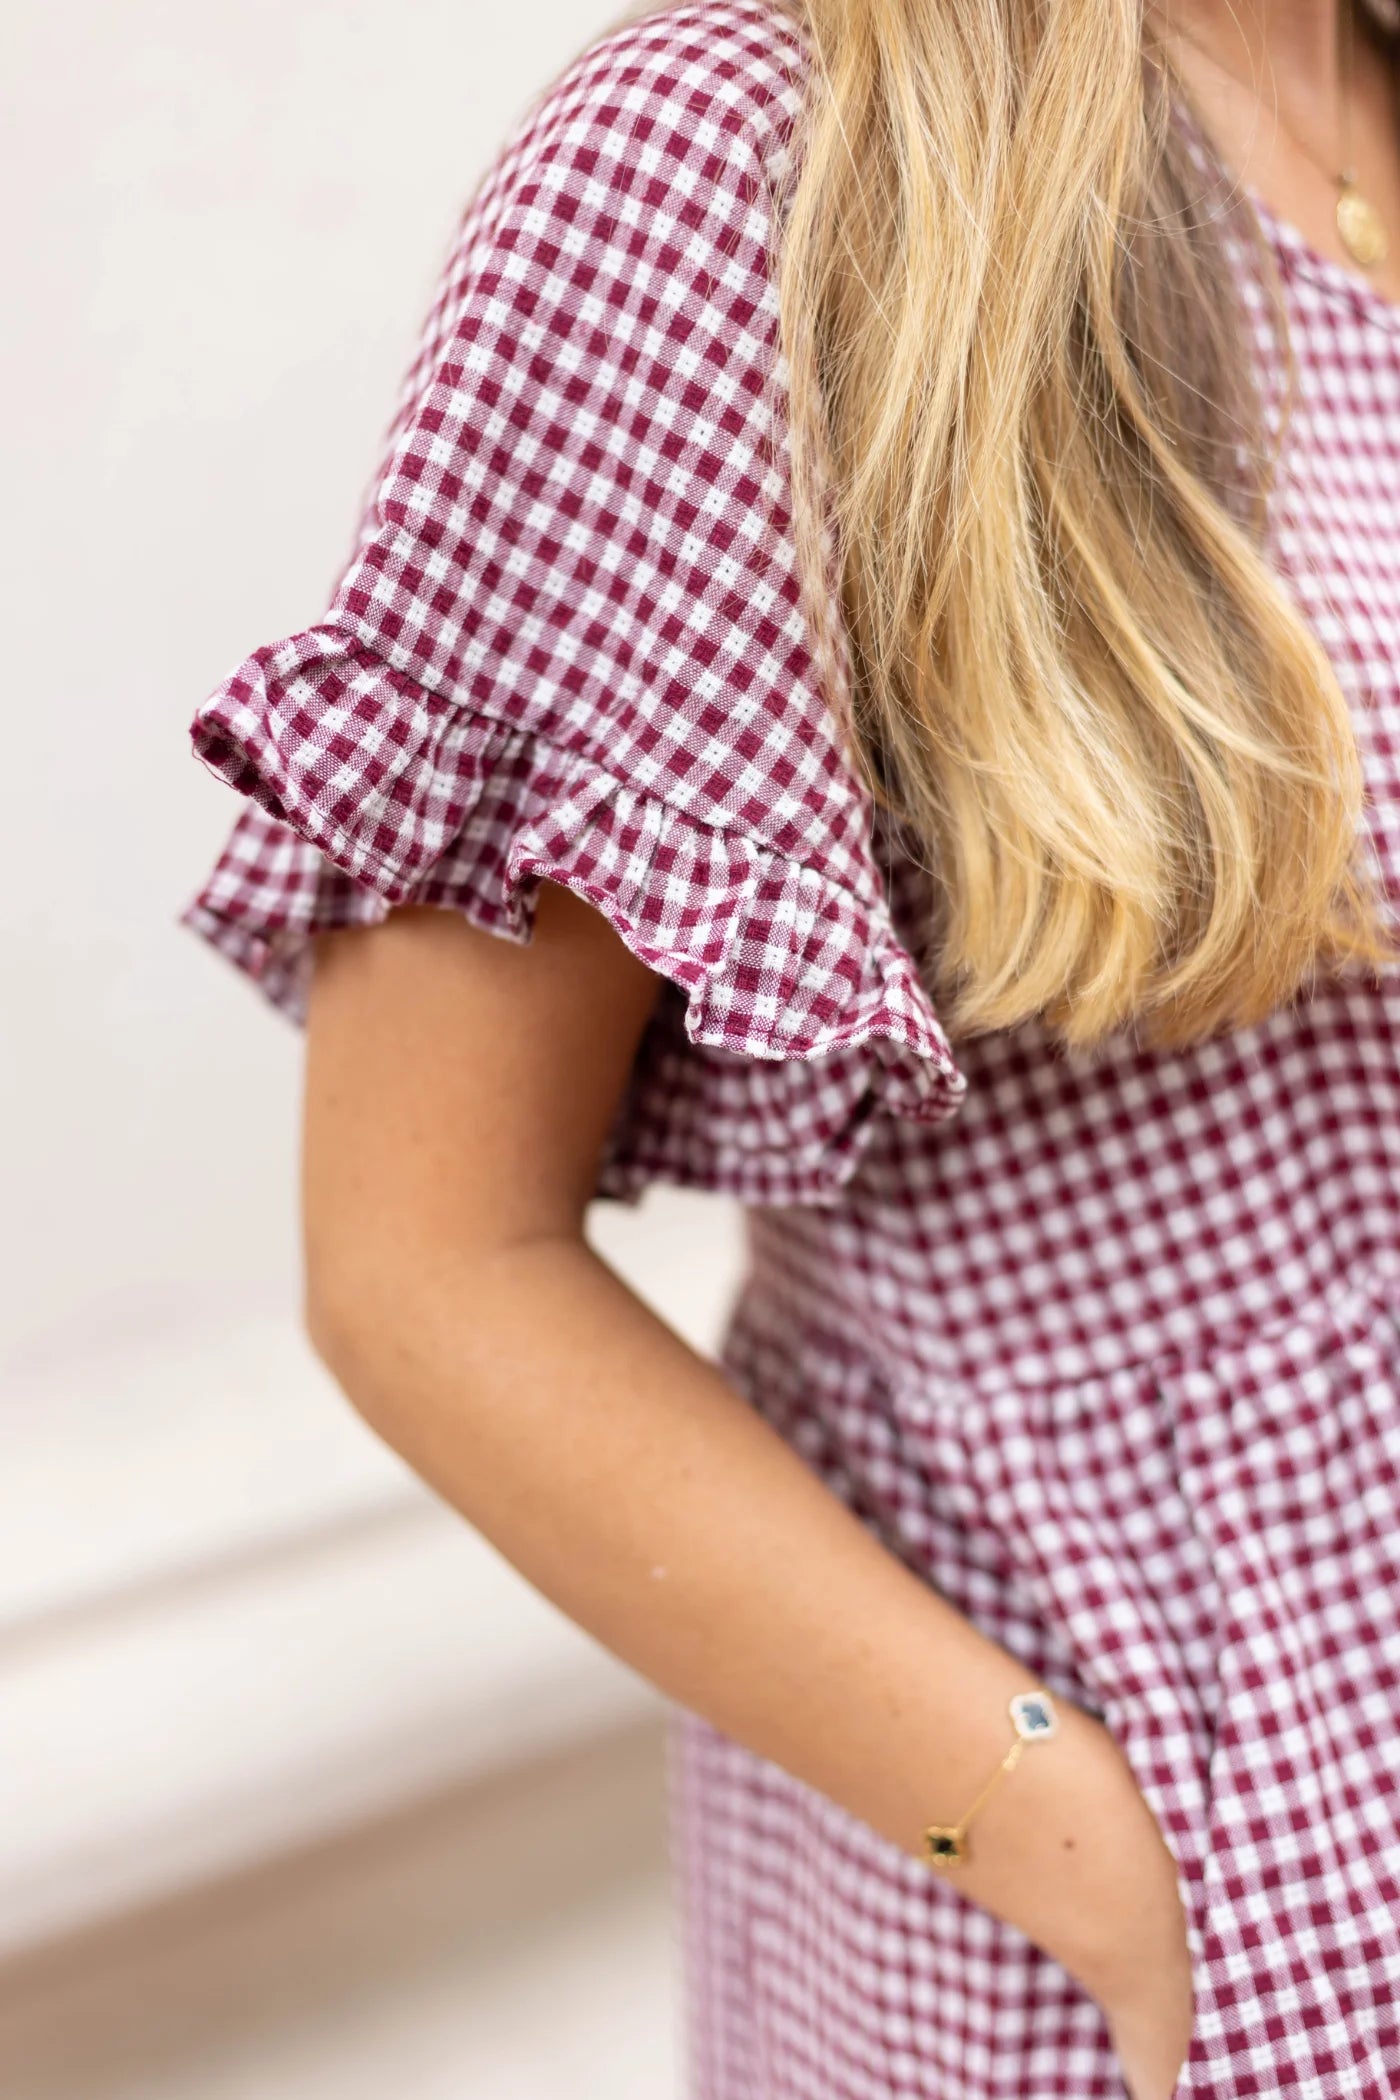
1359	224
945	1843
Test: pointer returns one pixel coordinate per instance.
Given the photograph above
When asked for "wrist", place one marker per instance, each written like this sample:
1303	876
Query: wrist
1118	1924
1066	1849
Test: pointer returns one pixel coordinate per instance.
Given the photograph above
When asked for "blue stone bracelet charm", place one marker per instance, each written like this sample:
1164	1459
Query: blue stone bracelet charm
1034	1718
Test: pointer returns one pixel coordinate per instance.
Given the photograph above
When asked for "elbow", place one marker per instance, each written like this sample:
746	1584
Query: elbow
358	1333
328	1318
399	1319
394	1324
335	1326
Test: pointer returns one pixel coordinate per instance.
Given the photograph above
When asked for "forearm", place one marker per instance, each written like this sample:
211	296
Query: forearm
624	1477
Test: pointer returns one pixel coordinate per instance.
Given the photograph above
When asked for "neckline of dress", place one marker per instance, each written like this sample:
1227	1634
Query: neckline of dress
1325	271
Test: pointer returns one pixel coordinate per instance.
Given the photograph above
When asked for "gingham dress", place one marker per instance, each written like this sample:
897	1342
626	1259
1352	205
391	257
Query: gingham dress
1106	1346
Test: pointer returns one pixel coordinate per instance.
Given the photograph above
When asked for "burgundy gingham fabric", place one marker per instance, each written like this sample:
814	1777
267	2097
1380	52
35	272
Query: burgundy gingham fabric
1105	1345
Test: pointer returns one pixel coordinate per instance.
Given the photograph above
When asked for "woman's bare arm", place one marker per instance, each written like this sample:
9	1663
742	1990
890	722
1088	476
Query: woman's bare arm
459	1089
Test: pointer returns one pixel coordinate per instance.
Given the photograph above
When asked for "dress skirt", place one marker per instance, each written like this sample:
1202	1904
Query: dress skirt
1207	1556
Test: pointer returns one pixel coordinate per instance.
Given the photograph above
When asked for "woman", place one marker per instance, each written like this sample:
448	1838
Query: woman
870	680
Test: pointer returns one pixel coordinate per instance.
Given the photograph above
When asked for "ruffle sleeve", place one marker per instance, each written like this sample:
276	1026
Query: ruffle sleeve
568	646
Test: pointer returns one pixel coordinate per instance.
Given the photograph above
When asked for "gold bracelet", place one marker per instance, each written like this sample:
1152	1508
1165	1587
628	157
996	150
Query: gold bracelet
1034	1718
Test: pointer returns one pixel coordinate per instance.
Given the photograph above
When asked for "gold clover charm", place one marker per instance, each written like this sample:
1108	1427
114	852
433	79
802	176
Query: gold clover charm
945	1843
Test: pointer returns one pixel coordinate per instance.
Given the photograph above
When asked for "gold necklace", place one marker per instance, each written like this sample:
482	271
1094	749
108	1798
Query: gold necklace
1359	224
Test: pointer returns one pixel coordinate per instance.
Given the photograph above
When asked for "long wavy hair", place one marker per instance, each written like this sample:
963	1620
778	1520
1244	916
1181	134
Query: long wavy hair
1022	411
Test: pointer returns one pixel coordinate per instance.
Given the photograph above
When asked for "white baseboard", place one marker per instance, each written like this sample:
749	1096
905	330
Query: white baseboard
208	1725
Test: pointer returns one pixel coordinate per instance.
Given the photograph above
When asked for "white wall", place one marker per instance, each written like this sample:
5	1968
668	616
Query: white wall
223	223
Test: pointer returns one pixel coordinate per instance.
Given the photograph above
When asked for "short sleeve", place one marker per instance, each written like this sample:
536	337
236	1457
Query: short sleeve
568	645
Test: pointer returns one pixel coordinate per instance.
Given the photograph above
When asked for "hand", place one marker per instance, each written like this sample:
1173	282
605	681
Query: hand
1152	2034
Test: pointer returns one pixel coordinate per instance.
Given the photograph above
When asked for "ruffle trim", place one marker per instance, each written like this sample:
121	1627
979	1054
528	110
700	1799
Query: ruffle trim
405	797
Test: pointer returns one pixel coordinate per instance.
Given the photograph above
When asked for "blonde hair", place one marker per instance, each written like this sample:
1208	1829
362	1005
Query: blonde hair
1022	411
